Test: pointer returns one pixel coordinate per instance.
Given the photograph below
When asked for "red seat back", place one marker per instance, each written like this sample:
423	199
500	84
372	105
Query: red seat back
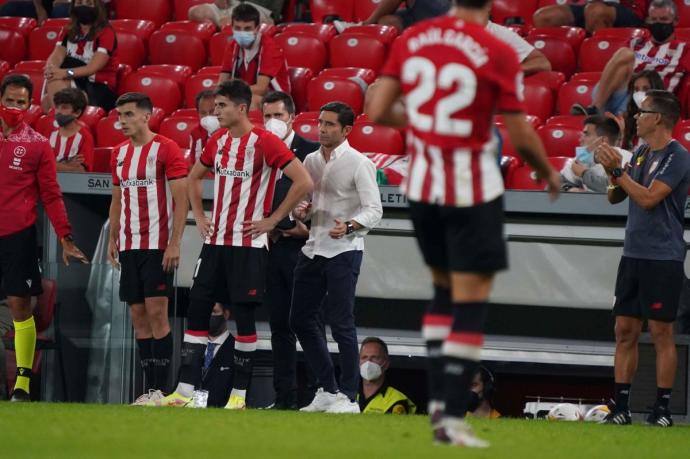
323	8
197	83
217	46
558	51
306	125
368	137
573	35
324	32
303	51
130	49
42	41
321	91
574	92
177	48
560	141
164	92
102	159
157	11
201	30
13	47
299	79
139	27
357	50
179	129
596	52
505	9
23	26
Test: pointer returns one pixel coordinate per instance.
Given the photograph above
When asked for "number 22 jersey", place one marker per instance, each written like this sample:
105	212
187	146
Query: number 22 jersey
454	76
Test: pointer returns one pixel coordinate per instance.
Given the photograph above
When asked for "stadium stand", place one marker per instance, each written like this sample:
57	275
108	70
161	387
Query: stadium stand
357	50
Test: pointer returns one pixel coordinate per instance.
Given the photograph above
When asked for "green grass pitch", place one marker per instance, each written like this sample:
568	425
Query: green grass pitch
43	430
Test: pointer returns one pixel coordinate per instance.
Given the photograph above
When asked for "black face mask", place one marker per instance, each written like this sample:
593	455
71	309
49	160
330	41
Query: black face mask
85	14
217	325
660	32
475	401
63	120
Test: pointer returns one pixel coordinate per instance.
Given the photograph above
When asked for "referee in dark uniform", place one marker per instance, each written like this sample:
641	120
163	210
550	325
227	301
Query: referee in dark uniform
286	241
650	274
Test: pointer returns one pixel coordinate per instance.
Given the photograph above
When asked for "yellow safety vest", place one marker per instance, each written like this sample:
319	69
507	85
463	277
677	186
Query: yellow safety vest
384	401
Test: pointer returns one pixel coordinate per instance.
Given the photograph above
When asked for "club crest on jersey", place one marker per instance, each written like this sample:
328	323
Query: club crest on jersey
227	172
151	160
20	151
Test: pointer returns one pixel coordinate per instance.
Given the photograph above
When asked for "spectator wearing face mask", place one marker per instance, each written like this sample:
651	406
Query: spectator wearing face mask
584	173
640	83
254	57
208	124
216	370
71	141
483	389
662	53
376	396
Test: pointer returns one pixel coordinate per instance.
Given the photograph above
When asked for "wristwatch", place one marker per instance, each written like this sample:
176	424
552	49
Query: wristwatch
617	172
350	228
70	74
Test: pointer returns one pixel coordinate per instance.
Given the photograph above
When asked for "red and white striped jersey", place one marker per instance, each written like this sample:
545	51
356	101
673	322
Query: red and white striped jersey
246	170
80	143
147	208
670	60
454	76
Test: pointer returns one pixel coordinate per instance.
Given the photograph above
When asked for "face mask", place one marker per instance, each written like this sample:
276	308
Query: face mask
217	325
583	155
370	371
638	97
277	127
660	32
244	39
475	401
63	120
210	123
12	116
85	14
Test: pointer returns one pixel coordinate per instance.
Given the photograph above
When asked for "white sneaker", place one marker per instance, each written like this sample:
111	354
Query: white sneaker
457	432
152	396
321	403
343	405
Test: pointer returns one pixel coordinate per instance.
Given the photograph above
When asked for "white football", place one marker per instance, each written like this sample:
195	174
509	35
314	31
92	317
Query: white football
565	412
597	413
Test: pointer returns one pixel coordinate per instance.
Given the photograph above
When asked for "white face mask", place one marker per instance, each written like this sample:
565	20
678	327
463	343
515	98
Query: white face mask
277	127
638	97
210	123
370	371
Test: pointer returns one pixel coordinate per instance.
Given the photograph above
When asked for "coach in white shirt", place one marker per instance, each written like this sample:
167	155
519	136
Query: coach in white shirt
345	205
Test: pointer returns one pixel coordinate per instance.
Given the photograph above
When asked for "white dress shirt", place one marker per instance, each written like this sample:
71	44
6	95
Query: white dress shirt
345	189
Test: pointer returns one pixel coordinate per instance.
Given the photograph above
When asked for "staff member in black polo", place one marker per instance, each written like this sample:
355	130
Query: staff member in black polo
286	241
650	274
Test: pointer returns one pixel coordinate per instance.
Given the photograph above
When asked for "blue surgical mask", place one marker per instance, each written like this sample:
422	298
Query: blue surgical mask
244	39
583	155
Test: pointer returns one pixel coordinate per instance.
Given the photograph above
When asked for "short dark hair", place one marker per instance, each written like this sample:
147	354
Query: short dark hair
476	4
376	340
605	127
142	101
205	94
236	90
280	96
71	96
17	79
246	13
346	117
667	104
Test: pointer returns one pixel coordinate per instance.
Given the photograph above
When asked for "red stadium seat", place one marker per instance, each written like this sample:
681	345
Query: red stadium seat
596	52
23	26
524	178
46	123
508	148
201	30
574	92
139	27
209	70
59	22
157	11
531	119
683	33
386	34
179	73
306	125
13	47
217	45
324	8
130	49
571	121
539	100
508	166
34	69
364	8
33	114
682	133
42	41
299	79
197	83
108	133
91	116
177	48
622	33
586	76
101	159
4	68
303	51
558	51
185	113
320	91
357	50
164	92
324	32
573	35
182	8
366	75
179	129
560	140
368	137
683	13
505	9
552	80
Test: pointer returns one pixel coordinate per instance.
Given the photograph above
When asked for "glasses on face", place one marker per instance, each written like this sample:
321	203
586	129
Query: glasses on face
642	112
